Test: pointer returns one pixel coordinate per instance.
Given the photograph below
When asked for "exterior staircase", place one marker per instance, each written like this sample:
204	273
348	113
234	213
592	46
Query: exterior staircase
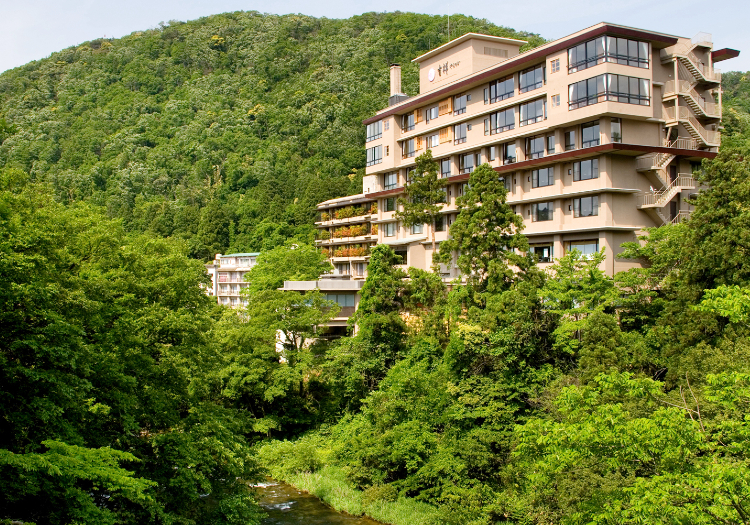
659	199
693	99
702	135
688	58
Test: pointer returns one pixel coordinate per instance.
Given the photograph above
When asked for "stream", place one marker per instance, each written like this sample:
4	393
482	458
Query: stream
286	505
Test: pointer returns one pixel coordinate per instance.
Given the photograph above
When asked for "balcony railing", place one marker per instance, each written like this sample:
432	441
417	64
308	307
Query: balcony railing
661	198
684	114
686	89
686	52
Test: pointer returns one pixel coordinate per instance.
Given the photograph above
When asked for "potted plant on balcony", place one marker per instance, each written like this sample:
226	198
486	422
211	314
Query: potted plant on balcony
374	230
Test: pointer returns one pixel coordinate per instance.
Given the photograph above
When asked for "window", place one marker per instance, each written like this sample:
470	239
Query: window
389	229
586	169
467	162
614	88
390	204
590	134
374	155
608	49
342	269
459	104
408	149
554	66
542	211
500	90
440	224
533	111
431	113
445	107
531	79
500	121
359	269
387	125
390	181
463	188
570	140
616	130
586	206
387	151
374	130
550	144
555	100
407	122
445	167
506	183
509	153
459	133
492	153
586	248
534	147
542	177
401	252
341	299
542	253
410	174
431	141
416	229
587	54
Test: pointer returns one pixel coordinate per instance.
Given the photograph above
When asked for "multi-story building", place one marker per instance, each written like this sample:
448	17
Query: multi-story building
596	136
227	274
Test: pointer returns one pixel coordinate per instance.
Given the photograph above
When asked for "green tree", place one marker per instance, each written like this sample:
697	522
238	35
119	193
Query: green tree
424	196
486	234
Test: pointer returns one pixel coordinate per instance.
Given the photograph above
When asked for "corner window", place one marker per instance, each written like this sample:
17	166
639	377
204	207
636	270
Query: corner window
542	177
542	211
374	155
590	134
609	87
586	169
531	79
586	206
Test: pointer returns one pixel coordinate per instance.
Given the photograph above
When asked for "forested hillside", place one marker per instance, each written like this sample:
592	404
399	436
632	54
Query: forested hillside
225	131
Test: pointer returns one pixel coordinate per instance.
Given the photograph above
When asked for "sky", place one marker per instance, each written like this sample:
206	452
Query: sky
33	29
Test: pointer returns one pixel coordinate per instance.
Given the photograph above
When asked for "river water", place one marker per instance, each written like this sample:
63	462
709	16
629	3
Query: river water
286	505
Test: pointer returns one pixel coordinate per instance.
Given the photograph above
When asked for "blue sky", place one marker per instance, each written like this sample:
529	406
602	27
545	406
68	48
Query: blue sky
32	29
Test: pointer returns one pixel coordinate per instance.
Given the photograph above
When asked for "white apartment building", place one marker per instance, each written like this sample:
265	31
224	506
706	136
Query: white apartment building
227	274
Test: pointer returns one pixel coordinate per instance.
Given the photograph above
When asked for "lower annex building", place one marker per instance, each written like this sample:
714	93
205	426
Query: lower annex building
596	136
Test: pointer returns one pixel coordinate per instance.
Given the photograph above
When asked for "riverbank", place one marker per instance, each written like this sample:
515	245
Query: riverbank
329	484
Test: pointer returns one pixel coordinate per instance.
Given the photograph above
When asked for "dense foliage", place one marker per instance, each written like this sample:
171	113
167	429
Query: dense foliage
224	131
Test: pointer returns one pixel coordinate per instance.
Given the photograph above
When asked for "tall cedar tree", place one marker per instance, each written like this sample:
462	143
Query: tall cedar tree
424	196
486	234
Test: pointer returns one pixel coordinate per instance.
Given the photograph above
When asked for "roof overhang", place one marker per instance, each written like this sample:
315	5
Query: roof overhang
469	36
724	54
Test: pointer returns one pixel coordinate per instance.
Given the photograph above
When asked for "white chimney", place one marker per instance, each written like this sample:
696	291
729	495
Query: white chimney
395	79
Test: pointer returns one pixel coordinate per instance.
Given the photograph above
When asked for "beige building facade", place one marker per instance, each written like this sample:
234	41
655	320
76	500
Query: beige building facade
596	136
227	274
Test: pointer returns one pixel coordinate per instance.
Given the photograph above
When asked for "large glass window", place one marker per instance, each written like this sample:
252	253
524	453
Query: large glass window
586	248
534	148
445	167
467	162
374	130
500	121
509	153
342	299
390	181
614	88
542	177
590	134
542	211
389	229
500	90
407	148
374	155
407	122
533	111
586	169
459	104
531	79
608	49
459	133
586	206
542	253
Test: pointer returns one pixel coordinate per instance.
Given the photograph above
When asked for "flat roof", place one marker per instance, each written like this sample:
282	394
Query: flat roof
254	254
469	36
660	40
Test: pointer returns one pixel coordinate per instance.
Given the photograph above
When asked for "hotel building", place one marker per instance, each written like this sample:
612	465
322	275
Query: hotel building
595	135
227	274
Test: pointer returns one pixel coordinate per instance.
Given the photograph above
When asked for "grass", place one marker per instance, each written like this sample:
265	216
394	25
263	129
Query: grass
329	484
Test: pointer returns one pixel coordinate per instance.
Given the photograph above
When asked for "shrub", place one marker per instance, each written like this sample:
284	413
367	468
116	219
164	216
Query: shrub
379	493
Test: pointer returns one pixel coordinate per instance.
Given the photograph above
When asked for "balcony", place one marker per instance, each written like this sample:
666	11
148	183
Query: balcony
694	99
705	136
